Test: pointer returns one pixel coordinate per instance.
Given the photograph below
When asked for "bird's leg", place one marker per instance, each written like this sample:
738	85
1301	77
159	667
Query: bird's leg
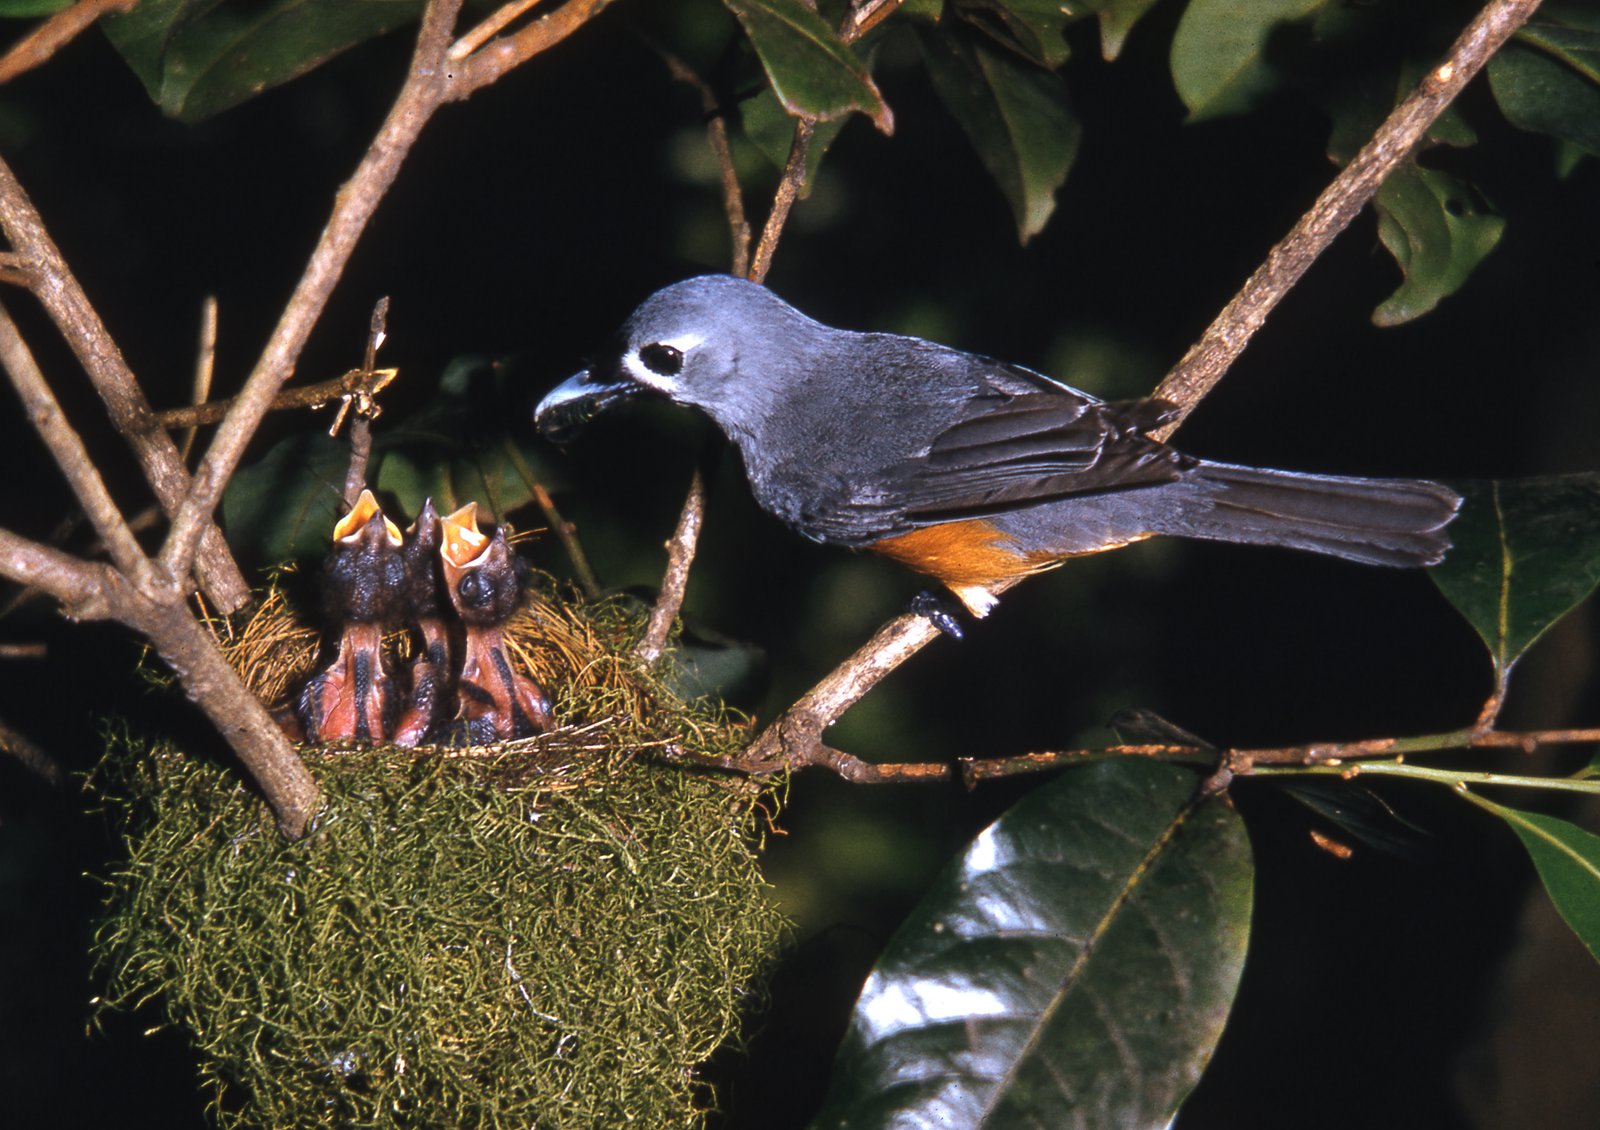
495	701
941	611
429	672
353	699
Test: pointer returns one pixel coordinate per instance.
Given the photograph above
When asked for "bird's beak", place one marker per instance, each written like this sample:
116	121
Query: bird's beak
351	527
575	401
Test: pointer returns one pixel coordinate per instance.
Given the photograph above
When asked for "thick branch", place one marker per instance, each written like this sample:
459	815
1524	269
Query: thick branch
44	412
1222	343
424	89
58	291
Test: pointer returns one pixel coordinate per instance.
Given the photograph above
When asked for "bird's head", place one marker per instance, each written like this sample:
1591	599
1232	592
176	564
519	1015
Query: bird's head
715	343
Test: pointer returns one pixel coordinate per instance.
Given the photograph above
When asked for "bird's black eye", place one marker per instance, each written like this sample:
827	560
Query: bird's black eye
663	360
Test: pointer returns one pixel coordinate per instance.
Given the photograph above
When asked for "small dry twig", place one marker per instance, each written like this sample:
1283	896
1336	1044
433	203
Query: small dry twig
205	366
31	754
680	555
40	45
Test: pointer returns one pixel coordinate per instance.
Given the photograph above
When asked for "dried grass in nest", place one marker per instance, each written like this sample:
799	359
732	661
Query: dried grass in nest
553	932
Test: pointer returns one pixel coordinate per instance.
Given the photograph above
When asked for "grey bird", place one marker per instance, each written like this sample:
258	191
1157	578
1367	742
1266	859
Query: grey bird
968	469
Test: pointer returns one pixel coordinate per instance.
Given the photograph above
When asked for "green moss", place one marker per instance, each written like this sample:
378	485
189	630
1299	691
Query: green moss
547	934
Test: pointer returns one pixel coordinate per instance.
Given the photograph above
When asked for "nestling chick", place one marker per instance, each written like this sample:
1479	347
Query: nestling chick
484	579
425	608
363	582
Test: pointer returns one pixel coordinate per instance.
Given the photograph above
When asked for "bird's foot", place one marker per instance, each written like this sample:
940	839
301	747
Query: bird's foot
940	611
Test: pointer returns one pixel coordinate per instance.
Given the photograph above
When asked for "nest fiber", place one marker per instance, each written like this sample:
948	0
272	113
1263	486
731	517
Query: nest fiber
478	938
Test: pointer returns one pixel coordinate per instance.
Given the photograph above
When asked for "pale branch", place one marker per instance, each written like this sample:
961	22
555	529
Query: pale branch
680	555
496	22
30	754
23	651
489	62
356	382
790	186
59	292
365	408
205	366
794	740
40	45
722	149
425	87
67	449
1222	343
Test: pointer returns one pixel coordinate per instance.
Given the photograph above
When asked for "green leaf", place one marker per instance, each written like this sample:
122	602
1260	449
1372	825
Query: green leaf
1035	28
1073	968
1438	232
284	505
1220	52
200	57
1526	551
771	130
1116	20
30	9
813	72
1016	115
1568	861
1545	95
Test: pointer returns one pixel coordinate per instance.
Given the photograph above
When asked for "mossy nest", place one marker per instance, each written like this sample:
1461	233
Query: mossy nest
553	932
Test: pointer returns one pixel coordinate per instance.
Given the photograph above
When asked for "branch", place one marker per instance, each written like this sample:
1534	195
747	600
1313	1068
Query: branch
57	289
680	555
40	45
25	750
794	740
67	449
353	383
205	365
790	185
488	63
1222	343
717	134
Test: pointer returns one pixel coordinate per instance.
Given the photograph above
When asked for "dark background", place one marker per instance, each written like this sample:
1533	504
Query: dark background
529	221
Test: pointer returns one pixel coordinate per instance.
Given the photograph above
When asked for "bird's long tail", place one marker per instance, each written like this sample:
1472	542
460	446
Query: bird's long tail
1375	521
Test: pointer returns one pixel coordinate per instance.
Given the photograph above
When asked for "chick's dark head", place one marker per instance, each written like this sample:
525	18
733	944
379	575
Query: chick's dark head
364	578
484	578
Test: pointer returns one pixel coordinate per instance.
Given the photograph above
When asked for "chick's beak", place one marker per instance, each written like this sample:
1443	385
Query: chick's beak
571	404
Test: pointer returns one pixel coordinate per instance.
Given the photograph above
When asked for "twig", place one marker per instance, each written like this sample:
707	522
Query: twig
492	26
351	383
40	45
794	740
495	58
205	365
355	477
717	134
32	755
563	529
23	651
59	292
67	449
790	185
680	555
1222	343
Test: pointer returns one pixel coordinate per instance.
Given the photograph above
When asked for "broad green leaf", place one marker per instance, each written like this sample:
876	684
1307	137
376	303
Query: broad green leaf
1036	28
1073	968
1438	232
1568	861
813	72
1545	95
284	505
30	9
200	57
1221	52
1526	552
1116	21
771	130
1015	114
1570	31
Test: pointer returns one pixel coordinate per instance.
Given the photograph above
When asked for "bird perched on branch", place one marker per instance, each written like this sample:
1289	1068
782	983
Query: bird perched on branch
965	468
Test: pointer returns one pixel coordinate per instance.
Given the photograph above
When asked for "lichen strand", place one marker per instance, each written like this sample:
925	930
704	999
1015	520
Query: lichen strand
549	933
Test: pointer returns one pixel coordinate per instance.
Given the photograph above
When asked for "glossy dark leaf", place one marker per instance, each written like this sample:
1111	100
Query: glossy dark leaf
1220	52
1073	968
1015	114
1525	552
1542	93
1438	231
200	57
284	505
1568	861
1035	28
812	71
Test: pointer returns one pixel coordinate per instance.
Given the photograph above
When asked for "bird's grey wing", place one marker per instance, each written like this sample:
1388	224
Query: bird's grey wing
1009	451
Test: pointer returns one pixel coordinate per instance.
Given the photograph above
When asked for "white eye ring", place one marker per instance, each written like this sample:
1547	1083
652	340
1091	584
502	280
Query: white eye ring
657	364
